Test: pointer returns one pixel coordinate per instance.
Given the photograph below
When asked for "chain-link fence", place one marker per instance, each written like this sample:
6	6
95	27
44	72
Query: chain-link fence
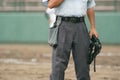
36	5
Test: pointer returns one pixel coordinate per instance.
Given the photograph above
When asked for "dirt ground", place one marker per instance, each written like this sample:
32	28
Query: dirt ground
33	62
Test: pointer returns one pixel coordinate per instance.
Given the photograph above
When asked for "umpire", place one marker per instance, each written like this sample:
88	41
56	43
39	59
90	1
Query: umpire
73	35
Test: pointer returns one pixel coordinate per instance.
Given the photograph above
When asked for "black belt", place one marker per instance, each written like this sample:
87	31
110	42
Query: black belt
72	19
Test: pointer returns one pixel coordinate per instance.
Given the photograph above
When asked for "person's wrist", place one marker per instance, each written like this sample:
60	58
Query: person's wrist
93	31
93	27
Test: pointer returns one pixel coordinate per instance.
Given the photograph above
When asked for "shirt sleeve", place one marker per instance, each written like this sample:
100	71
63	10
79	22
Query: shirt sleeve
91	3
45	3
44	0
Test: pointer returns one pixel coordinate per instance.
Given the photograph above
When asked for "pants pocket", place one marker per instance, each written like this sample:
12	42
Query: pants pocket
53	36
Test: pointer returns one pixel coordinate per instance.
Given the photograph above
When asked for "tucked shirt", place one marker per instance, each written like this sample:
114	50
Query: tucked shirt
75	8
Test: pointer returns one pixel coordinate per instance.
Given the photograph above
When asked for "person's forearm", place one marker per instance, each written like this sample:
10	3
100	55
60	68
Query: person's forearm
54	3
91	17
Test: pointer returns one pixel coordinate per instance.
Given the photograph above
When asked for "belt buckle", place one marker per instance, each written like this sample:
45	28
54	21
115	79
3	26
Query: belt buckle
73	19
66	19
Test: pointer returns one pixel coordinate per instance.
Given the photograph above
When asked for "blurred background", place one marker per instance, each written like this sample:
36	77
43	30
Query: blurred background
25	54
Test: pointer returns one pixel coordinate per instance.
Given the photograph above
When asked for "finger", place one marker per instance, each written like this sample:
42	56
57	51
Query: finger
90	35
96	35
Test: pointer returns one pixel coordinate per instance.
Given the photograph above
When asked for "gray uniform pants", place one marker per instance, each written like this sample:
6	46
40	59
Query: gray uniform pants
75	37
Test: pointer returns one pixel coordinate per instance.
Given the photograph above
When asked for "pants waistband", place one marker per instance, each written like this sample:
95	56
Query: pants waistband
72	19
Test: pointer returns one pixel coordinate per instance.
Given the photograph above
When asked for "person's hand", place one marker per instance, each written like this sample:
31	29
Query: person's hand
54	3
93	32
